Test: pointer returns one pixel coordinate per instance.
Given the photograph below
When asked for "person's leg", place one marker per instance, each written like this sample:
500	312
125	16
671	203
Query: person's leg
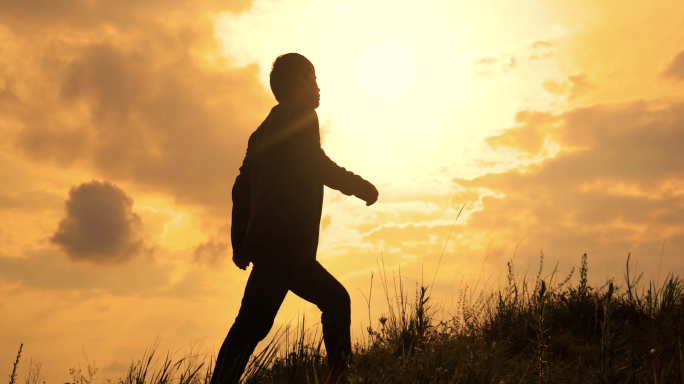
265	291
316	285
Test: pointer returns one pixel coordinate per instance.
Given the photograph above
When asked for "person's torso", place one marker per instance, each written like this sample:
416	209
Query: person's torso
285	199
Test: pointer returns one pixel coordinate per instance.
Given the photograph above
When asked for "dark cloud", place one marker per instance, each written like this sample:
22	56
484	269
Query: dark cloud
616	186
210	253
100	225
675	69
129	93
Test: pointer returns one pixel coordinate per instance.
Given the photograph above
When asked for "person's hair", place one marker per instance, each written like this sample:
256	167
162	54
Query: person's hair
286	68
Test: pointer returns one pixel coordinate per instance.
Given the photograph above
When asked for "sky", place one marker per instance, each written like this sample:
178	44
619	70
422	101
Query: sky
557	126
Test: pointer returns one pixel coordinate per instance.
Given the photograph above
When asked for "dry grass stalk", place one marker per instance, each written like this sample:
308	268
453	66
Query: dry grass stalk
13	376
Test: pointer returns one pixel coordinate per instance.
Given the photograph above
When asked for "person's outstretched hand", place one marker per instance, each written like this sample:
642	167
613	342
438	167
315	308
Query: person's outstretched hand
369	194
241	260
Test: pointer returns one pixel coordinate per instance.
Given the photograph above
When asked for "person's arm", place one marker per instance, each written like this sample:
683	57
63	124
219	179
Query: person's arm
241	211
326	170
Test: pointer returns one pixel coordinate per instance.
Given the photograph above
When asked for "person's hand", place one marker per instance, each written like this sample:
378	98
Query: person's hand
370	195
241	260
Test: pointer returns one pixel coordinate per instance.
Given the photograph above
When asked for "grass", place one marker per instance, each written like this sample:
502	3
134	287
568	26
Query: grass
536	330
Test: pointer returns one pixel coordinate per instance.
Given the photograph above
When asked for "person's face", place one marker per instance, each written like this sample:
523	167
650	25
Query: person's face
308	91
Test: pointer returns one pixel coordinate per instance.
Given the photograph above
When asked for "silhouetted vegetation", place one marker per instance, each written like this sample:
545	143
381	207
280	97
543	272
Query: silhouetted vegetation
537	330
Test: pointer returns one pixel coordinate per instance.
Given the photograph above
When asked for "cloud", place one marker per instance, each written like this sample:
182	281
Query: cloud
574	86
45	270
27	201
129	94
542	44
617	184
100	225
487	65
210	253
675	69
83	14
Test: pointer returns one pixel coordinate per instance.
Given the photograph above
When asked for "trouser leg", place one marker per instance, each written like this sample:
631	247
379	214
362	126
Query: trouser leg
264	293
316	285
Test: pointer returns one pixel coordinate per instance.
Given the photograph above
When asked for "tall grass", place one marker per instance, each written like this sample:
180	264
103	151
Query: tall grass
531	330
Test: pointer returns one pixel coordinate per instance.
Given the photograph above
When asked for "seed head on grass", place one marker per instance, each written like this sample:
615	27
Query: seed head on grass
13	376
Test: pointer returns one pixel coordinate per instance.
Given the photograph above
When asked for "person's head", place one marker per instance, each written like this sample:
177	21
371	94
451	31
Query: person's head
293	79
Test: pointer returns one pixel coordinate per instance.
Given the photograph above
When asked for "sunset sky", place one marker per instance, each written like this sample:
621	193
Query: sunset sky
558	124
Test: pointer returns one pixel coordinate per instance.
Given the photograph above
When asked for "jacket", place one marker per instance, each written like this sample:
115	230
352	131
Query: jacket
278	195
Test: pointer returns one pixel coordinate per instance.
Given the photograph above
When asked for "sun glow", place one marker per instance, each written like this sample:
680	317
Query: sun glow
387	69
402	90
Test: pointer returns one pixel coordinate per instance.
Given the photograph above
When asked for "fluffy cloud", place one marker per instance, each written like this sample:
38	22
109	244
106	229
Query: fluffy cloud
616	186
128	93
100	225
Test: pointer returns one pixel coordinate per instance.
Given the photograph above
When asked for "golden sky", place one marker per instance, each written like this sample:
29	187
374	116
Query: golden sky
559	124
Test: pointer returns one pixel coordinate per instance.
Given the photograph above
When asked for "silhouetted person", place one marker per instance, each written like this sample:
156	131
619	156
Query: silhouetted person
277	202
